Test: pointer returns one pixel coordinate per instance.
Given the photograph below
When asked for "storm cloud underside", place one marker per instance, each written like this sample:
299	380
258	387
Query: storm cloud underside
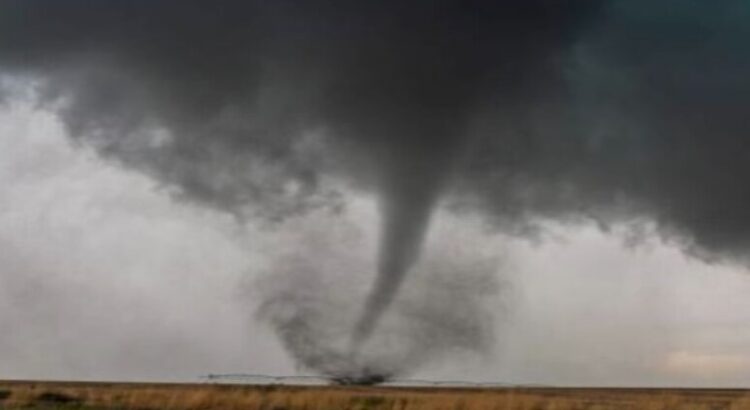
521	110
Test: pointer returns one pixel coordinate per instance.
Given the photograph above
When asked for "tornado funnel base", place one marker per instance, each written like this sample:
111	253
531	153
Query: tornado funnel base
363	379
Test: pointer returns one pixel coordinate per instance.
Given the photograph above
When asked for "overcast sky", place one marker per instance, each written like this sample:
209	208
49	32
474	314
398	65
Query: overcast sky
523	191
103	275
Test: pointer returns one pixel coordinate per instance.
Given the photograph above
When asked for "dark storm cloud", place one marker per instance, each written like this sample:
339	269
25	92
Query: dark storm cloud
222	101
610	110
244	92
655	125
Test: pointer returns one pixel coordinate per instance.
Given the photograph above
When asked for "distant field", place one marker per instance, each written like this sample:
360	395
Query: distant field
100	396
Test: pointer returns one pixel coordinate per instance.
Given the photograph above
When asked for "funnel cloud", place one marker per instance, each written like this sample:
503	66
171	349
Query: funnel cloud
604	110
447	308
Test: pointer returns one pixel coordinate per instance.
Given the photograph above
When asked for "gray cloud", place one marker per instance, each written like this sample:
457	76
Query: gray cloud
102	277
610	110
653	127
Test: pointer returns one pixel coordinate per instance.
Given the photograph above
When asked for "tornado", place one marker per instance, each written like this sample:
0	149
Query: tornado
521	111
409	192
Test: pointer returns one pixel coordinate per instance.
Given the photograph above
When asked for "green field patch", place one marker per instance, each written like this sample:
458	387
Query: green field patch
58	399
367	402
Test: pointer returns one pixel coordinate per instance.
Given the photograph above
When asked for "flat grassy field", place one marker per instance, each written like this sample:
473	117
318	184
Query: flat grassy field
135	396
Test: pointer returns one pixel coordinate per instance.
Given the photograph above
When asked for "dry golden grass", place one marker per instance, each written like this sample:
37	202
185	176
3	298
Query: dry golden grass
228	397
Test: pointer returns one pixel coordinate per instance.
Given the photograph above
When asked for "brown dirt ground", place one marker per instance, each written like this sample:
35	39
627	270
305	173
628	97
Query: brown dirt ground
141	396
